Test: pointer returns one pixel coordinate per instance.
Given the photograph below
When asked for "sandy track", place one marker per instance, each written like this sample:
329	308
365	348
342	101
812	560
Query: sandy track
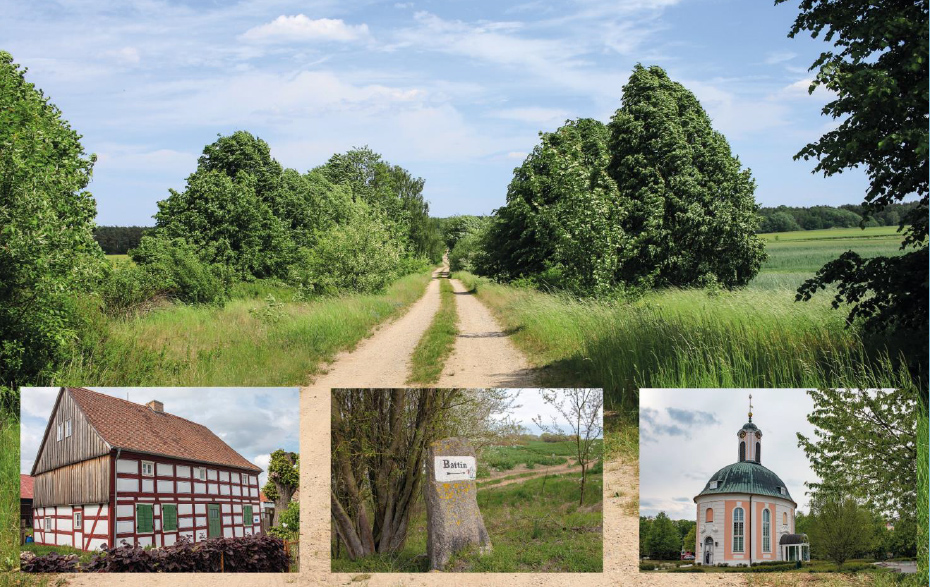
483	356
383	360
536	473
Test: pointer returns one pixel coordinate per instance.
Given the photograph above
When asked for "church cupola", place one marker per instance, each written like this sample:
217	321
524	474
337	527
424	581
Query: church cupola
750	440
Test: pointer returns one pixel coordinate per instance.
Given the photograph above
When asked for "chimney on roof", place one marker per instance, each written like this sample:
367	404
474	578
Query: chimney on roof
156	406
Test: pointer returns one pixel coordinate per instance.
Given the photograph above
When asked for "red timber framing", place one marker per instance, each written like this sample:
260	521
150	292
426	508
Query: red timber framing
175	482
172	482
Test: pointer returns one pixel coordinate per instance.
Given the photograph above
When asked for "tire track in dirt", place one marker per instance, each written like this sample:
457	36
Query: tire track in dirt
537	473
483	355
383	359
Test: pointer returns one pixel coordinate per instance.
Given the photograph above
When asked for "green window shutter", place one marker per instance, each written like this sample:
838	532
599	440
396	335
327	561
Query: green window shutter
247	515
144	519
169	517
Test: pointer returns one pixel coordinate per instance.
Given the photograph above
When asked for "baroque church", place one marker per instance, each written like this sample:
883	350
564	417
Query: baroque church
745	514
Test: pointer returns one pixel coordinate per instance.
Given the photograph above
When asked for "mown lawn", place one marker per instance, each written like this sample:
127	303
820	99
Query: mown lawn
535	526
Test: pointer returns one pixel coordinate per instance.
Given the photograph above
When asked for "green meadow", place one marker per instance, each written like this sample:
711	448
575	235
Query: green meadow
754	336
262	336
535	526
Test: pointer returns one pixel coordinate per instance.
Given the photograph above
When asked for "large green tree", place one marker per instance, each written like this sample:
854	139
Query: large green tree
564	217
664	540
842	528
283	481
877	71
47	249
874	433
692	215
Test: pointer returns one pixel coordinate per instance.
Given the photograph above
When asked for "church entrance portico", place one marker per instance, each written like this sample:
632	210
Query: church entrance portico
709	550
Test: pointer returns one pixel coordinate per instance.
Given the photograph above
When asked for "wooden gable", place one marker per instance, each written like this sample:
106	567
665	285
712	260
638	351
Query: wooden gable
83	443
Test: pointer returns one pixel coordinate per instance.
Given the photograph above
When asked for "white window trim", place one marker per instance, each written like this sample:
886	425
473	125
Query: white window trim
68	428
766	531
60	433
78	520
151	464
200	473
713	485
48	524
741	535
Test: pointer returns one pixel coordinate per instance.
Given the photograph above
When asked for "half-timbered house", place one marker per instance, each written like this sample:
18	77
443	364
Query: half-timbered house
113	472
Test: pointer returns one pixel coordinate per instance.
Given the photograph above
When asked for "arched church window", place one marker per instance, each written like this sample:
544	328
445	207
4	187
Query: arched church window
784	518
742	452
738	530
758	452
766	530
710	515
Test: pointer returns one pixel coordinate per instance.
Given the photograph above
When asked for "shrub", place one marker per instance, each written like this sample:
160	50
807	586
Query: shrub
126	287
175	269
289	528
648	566
50	563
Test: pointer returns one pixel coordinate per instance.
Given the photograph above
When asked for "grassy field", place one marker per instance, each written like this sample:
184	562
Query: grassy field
530	454
535	526
257	338
434	347
755	336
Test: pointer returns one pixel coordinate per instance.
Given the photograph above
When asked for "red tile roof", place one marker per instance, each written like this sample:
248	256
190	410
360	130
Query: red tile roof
25	486
135	427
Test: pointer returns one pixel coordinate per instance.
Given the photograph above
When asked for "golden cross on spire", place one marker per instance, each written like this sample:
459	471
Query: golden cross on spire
750	407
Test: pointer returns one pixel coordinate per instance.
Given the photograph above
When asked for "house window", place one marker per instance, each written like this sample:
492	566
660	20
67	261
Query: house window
169	517
200	473
78	520
58	428
742	452
68	428
144	518
766	530
148	469
713	485
247	515
738	530
710	515
48	524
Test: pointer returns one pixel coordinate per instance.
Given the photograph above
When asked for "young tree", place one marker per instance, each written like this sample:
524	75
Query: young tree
379	442
283	481
581	408
692	214
842	529
689	542
47	249
877	70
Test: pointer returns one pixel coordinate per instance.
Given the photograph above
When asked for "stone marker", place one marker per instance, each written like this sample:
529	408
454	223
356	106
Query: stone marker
453	520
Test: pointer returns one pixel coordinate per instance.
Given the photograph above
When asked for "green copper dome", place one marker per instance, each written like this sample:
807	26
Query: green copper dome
746	477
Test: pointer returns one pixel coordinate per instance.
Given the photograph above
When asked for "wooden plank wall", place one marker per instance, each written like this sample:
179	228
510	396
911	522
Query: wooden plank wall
79	483
84	442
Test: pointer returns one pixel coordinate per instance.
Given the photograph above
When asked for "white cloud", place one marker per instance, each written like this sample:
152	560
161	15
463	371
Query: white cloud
534	114
519	155
776	57
301	28
125	55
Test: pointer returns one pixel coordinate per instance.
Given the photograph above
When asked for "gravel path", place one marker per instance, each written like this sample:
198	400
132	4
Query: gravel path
383	360
484	355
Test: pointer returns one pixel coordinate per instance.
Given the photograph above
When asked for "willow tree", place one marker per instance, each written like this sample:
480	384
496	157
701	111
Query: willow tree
379	442
692	215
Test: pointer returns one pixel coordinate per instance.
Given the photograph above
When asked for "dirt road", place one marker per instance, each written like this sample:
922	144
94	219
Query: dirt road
484	355
539	471
383	360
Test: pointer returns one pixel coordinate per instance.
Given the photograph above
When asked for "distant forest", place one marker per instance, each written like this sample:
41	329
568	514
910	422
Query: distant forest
789	218
117	240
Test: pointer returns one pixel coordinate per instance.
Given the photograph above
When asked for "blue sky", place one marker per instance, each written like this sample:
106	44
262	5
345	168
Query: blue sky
253	421
455	91
687	435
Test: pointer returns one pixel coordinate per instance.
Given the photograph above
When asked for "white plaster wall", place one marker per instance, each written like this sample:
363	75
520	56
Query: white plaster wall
127	466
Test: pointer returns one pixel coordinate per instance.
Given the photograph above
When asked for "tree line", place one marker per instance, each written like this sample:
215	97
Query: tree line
352	224
662	538
791	218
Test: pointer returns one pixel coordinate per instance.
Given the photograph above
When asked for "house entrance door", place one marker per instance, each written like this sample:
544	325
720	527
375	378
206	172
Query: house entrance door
213	521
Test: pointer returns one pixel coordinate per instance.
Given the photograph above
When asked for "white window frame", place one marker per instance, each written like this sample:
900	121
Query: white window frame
78	520
151	465
68	428
739	533
766	530
713	485
48	523
200	473
60	432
